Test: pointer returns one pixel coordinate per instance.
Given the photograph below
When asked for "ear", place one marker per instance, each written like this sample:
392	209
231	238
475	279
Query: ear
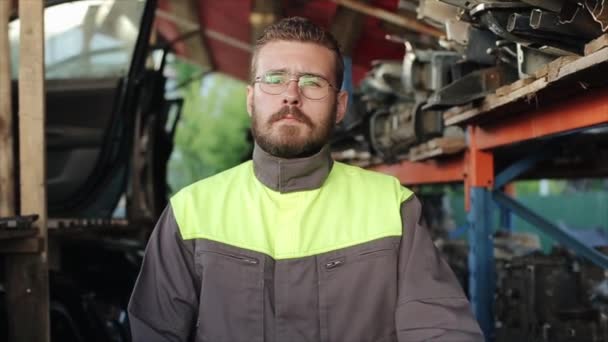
249	100
342	105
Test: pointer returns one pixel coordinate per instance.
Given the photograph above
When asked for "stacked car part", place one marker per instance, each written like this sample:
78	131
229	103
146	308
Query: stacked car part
487	45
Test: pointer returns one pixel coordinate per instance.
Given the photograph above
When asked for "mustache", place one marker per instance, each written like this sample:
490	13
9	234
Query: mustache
294	112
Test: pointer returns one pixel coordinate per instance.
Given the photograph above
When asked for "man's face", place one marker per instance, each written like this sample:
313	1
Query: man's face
289	125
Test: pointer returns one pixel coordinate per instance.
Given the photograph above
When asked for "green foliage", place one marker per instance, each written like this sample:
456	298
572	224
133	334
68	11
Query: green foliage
557	186
528	187
212	133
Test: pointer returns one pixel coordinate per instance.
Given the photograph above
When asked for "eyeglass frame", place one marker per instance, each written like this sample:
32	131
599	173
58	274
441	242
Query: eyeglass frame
295	77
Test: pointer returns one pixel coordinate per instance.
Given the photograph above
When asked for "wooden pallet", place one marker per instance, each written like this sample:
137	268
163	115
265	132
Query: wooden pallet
564	77
437	147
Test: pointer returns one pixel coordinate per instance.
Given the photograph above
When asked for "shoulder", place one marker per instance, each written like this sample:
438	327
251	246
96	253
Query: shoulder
357	172
192	203
213	183
371	179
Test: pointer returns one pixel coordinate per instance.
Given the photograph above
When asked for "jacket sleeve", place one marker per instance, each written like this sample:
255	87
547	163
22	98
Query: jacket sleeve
164	302
431	305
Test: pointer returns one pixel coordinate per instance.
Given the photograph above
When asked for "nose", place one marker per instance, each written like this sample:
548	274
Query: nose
291	95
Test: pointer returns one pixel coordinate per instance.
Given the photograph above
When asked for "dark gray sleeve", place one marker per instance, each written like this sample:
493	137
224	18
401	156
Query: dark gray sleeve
164	302
431	305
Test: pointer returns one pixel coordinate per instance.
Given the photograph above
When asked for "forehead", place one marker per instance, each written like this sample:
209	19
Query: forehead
296	57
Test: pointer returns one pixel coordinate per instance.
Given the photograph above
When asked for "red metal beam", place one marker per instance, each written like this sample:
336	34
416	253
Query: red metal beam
428	172
589	109
479	167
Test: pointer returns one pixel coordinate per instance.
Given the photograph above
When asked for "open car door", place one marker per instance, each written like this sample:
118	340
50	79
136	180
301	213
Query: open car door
95	54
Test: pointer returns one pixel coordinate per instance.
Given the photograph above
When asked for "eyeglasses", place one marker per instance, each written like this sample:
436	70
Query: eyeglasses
313	87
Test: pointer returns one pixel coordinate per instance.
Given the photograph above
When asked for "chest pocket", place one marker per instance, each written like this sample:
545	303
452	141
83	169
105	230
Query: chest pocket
358	292
231	298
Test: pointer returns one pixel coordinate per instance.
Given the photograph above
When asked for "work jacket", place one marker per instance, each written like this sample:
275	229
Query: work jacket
293	250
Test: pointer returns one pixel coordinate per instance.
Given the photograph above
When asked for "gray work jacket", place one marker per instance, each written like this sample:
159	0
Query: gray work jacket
198	288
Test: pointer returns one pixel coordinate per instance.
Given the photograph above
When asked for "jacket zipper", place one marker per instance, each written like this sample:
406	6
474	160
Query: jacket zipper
244	259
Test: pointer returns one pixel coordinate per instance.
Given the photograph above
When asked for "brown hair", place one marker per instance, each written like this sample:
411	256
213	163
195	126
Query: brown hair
300	30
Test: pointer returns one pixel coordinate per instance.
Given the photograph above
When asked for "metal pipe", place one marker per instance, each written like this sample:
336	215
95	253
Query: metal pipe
518	23
549	22
192	26
184	23
560	235
393	18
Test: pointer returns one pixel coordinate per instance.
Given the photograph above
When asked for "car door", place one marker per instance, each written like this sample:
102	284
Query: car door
94	52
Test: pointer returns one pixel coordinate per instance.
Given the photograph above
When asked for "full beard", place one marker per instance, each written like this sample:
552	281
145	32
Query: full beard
287	140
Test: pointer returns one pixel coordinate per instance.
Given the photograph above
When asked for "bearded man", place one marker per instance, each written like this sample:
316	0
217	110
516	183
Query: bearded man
293	246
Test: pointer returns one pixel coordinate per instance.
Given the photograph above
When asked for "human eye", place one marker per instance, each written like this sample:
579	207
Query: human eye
311	81
274	78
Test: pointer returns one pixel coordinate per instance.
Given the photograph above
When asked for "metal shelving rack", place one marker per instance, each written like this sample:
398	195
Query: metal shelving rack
530	125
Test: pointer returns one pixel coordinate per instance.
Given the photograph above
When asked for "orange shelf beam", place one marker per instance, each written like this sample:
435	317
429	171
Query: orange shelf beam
434	171
586	110
580	112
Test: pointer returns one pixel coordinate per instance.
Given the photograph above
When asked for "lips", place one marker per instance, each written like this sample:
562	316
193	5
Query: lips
289	117
289	114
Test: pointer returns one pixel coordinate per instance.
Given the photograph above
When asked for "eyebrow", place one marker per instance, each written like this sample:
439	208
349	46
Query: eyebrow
275	70
297	74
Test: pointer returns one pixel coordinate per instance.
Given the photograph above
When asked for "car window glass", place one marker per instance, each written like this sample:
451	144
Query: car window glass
86	39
